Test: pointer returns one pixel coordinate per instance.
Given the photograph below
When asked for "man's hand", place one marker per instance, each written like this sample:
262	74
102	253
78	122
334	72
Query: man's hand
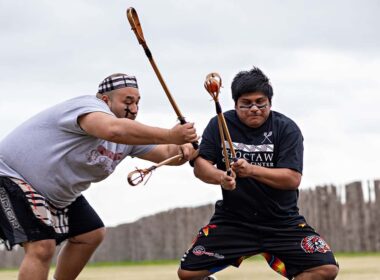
242	168
228	182
187	151
183	133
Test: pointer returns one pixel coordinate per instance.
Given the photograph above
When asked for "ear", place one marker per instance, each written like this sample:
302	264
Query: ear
105	98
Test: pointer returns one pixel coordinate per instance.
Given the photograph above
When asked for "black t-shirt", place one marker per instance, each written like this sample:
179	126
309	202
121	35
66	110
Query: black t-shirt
278	143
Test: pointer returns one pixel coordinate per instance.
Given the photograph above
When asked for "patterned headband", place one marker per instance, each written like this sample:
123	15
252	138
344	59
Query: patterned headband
116	82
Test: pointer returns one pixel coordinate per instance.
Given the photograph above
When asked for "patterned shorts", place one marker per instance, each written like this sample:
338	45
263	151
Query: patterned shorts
27	216
289	249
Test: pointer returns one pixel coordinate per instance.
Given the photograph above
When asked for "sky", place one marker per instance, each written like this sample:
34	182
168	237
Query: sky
322	57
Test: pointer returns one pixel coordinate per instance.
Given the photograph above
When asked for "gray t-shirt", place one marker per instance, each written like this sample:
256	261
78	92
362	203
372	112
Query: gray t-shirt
56	157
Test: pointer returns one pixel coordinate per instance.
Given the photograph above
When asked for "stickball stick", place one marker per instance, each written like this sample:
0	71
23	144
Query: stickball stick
213	84
134	21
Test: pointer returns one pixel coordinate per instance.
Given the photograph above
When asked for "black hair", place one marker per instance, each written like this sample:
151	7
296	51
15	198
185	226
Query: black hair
250	81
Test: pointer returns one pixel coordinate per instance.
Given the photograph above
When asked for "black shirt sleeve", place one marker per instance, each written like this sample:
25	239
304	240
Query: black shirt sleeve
291	150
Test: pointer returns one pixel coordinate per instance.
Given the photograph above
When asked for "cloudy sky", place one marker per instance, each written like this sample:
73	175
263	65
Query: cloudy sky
322	57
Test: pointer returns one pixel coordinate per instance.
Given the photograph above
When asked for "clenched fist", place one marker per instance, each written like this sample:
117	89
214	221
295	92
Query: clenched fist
183	133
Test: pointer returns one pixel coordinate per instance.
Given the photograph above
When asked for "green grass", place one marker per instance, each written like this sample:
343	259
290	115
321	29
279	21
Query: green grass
353	266
173	262
254	258
133	263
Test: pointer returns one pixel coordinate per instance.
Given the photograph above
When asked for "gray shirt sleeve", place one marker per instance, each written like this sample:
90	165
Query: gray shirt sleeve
139	150
68	120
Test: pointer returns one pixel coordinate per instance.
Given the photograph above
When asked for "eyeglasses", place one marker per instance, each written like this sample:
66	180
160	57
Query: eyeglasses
258	106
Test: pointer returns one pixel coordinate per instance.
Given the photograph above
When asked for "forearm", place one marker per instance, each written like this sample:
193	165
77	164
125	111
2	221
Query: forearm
123	131
135	133
164	152
126	131
174	150
207	172
277	178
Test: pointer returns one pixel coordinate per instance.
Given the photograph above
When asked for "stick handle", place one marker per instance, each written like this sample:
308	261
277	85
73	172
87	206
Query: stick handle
228	136
166	89
166	161
222	120
134	21
222	139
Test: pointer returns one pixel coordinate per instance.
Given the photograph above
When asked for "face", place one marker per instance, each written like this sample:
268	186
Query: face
253	109
124	102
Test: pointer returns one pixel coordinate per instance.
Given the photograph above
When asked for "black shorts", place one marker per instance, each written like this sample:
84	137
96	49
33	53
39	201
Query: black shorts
18	223
289	249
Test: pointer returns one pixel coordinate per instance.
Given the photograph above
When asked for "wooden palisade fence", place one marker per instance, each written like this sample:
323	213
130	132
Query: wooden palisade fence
349	223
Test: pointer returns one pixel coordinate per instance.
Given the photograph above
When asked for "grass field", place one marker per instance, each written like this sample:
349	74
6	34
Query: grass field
352	267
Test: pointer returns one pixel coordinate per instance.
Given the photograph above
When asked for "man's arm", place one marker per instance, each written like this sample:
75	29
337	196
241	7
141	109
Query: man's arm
163	152
125	131
278	178
208	173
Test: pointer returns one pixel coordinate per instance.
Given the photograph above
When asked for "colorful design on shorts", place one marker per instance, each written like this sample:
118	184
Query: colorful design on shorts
203	231
275	263
314	243
200	251
206	229
43	210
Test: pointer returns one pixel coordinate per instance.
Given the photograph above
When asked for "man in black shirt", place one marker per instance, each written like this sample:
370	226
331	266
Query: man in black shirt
258	213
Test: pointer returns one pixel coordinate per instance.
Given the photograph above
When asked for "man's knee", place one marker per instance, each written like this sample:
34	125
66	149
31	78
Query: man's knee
325	272
330	271
93	238
183	274
190	275
43	250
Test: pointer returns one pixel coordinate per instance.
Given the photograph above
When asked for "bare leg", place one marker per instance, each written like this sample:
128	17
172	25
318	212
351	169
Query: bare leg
37	259
324	272
192	275
76	252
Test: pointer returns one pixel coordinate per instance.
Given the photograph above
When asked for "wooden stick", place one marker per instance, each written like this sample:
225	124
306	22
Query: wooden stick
134	21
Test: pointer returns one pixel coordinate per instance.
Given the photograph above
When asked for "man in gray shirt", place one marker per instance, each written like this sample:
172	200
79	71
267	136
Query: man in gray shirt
49	160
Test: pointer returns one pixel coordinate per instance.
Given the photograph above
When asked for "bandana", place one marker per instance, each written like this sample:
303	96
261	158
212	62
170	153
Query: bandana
116	82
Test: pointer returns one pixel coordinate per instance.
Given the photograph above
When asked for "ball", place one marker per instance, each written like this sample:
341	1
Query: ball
213	85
